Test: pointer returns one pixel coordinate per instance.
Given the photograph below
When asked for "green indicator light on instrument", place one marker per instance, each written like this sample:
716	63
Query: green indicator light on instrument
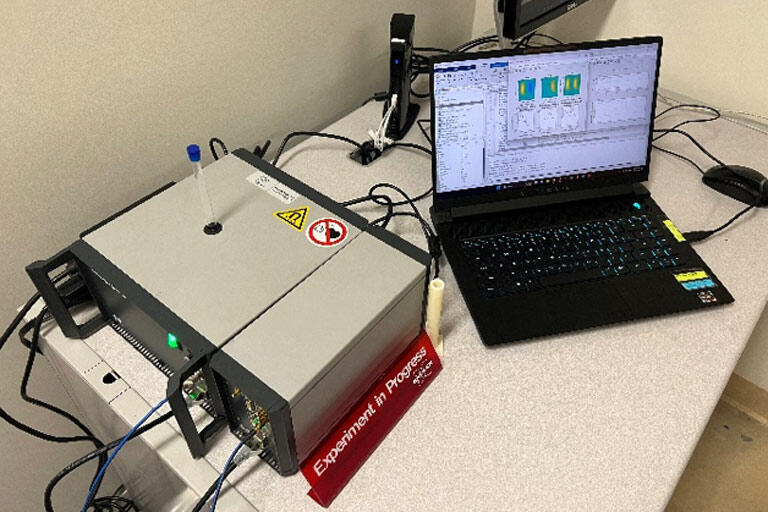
172	341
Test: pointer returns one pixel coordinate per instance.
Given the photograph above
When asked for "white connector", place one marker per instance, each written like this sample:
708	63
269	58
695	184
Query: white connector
434	312
379	137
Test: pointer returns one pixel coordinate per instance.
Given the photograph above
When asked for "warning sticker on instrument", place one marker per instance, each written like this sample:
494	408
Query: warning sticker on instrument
272	187
294	218
327	232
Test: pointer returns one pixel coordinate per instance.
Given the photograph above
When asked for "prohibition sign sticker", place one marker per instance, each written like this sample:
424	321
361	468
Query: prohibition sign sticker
327	232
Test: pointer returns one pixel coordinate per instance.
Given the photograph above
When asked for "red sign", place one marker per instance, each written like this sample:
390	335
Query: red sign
357	435
327	232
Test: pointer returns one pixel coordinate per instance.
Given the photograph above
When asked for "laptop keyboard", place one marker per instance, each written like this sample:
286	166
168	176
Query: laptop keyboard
524	261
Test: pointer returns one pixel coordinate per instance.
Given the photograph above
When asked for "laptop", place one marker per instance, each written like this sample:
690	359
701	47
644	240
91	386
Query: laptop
539	161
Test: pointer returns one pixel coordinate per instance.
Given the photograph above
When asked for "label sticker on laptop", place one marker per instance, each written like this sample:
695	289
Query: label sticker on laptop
272	187
673	229
294	218
695	280
698	285
691	276
327	232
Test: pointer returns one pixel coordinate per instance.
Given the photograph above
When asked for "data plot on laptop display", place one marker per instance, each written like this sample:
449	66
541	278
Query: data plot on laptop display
514	120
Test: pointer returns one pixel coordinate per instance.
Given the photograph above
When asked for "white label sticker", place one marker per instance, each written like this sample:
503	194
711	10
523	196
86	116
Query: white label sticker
272	187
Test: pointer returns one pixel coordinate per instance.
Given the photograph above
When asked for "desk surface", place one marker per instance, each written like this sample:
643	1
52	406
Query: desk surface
603	419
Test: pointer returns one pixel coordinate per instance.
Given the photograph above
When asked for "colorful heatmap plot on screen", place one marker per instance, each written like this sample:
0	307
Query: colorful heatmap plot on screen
526	89
549	87
572	85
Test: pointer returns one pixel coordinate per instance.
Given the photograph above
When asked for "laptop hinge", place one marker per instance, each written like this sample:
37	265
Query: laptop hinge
439	216
633	189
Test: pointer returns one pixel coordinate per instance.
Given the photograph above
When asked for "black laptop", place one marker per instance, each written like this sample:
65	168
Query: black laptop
539	159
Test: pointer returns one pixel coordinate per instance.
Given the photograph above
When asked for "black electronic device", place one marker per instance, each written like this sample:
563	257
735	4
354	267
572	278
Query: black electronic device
516	18
741	183
403	116
538	160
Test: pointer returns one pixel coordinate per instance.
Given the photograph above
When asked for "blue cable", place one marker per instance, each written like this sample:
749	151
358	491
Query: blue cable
221	477
117	449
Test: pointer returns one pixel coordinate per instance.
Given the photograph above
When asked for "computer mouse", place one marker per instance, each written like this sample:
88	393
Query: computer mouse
741	183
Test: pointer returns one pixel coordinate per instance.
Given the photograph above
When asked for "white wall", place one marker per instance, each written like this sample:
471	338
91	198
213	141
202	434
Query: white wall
483	21
98	101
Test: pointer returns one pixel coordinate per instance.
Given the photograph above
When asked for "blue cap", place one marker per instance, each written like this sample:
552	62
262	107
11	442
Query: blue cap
193	150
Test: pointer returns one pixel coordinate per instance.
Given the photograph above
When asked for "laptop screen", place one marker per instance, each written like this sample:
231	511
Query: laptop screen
572	115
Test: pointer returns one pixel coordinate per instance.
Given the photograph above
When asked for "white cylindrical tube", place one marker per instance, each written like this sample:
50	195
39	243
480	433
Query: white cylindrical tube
205	198
434	310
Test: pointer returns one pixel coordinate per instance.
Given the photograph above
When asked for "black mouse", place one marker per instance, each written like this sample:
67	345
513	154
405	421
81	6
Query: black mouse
741	183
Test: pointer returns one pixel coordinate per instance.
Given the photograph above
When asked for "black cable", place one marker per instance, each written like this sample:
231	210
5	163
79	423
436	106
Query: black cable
379	96
474	43
96	453
681	157
694	141
712	110
408	200
362	199
18	319
698	236
395	203
433	241
312	134
715	116
33	349
114	503
523	43
41	435
414	199
28	371
26	329
30	361
430	49
213	149
205	497
424	131
10	419
260	151
545	36
411	145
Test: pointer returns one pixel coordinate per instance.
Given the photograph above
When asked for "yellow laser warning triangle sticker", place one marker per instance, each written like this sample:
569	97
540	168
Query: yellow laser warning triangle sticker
295	218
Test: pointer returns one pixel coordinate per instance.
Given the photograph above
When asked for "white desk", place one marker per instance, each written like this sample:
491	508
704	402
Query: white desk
604	419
